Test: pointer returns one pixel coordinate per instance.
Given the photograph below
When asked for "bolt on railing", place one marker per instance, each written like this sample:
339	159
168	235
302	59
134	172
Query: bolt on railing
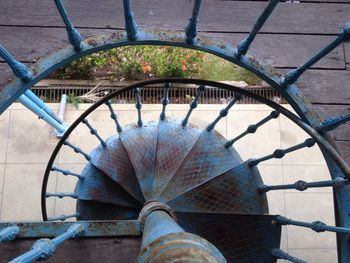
332	123
76	149
9	233
93	131
193	105
165	100
61	195
66	172
280	153
44	248
130	24
191	28
302	185
245	44
63	217
223	113
114	116
73	35
138	106
253	128
316	226
280	254
292	76
19	69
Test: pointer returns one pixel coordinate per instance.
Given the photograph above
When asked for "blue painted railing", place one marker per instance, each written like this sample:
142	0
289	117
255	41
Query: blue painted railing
193	105
9	233
44	248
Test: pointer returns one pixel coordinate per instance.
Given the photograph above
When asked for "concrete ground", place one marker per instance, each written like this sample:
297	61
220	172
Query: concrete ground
26	145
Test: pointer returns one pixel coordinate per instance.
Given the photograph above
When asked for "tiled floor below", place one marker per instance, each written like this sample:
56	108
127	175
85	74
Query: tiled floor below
27	143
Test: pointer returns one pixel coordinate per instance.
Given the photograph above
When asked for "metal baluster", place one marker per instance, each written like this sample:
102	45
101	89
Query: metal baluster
252	128
165	100
77	150
316	226
9	233
280	254
280	153
63	217
114	116
130	24
61	195
138	106
20	70
332	123
191	28
41	113
44	248
224	111
244	45
73	35
302	185
42	105
193	105
93	131
293	75
66	172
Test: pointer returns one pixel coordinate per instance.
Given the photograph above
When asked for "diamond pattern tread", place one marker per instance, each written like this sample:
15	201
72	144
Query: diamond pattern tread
92	210
114	162
96	186
241	238
174	144
207	159
141	146
233	192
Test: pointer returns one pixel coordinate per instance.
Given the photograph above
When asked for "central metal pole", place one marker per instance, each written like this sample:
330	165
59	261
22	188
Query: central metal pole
165	241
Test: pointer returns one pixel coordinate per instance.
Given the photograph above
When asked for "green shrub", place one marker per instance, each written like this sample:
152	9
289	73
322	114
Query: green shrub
141	62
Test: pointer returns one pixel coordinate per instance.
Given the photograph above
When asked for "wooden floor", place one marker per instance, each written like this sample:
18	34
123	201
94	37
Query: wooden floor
30	29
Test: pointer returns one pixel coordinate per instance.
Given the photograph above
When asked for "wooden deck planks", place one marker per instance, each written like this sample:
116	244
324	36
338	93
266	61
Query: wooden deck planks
228	16
31	43
33	28
326	86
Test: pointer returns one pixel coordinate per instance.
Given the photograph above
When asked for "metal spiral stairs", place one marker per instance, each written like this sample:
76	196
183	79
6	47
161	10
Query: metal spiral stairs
185	190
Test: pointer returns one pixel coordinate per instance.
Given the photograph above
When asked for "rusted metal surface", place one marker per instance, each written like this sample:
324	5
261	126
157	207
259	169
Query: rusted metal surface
240	238
233	192
207	159
173	140
90	250
115	163
141	145
97	186
93	229
164	241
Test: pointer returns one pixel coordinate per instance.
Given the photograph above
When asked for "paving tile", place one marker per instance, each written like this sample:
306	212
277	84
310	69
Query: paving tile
263	142
292	135
202	118
22	192
66	184
272	174
315	255
4	126
310	207
307	173
29	138
2	178
81	136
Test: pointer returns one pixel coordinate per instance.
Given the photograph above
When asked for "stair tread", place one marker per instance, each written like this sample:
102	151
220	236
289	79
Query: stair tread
241	238
114	162
232	192
96	186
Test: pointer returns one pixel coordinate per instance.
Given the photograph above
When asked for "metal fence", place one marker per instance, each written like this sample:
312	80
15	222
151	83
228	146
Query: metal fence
178	94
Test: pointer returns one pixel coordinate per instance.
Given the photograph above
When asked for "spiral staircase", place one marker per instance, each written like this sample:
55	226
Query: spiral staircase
185	190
